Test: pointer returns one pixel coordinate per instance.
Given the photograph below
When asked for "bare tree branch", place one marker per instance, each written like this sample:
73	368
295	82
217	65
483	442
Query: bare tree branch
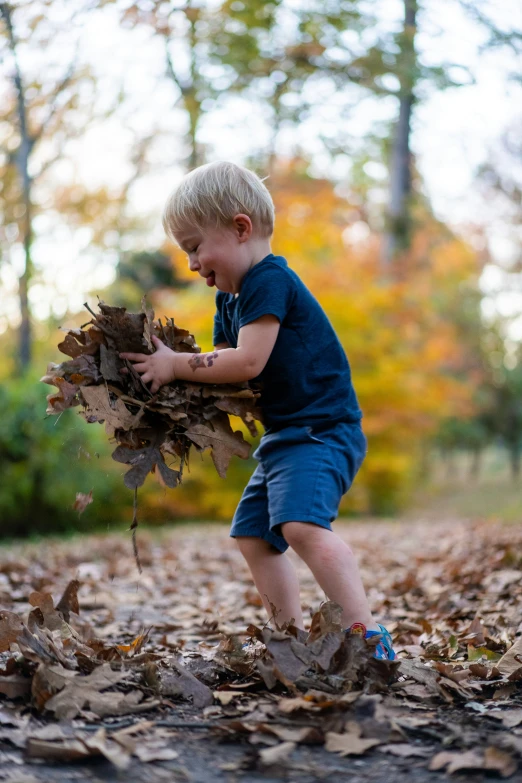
53	108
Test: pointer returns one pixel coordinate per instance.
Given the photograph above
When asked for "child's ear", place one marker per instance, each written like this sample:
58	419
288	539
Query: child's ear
243	227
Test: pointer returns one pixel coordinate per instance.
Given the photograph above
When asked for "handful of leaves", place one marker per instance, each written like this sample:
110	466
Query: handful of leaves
148	428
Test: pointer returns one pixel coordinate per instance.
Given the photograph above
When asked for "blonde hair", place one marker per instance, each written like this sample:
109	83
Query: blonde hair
213	194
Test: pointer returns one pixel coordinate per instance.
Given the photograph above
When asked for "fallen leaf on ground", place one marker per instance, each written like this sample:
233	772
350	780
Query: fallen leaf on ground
350	743
10	627
180	682
500	761
276	755
15	686
512	660
455	761
404	750
79	692
225	697
194	597
155	751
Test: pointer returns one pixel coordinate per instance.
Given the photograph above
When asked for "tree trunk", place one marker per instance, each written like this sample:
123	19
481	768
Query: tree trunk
397	232
476	463
188	88
450	464
25	279
21	160
514	460
192	103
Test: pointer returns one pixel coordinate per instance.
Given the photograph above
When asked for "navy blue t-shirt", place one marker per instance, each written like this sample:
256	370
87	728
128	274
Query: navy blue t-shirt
307	378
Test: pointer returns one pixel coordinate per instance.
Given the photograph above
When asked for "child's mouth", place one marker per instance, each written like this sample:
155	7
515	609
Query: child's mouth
211	279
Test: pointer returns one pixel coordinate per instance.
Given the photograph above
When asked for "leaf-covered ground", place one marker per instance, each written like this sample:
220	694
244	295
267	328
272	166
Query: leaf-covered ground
149	681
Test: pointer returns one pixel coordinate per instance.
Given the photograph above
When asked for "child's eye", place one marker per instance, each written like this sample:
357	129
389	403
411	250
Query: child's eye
194	249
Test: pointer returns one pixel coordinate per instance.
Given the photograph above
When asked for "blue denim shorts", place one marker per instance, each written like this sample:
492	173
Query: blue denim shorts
303	473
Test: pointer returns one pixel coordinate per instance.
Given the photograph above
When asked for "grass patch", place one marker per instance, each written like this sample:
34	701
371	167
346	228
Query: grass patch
454	492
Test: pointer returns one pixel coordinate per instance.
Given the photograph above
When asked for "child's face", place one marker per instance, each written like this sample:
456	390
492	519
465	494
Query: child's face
218	254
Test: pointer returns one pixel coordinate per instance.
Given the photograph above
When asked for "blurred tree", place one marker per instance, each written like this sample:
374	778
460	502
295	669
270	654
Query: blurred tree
462	434
302	63
206	48
502	30
502	390
396	68
493	340
318	54
299	61
492	361
398	230
46	104
144	272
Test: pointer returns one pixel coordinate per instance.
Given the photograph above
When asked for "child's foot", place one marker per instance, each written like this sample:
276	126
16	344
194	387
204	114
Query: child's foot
384	649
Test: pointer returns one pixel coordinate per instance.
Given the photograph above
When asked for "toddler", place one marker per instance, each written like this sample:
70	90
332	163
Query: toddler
269	329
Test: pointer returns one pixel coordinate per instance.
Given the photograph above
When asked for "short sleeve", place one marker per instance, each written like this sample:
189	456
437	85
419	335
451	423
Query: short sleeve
269	292
218	335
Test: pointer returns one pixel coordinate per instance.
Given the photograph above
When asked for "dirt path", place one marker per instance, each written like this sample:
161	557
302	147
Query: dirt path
450	593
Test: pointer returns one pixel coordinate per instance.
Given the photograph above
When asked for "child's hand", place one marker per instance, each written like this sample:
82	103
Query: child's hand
159	367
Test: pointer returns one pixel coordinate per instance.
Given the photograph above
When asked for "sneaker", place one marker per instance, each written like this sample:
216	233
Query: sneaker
384	649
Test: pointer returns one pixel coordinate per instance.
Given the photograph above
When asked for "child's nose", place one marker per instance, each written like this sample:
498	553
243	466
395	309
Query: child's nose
194	264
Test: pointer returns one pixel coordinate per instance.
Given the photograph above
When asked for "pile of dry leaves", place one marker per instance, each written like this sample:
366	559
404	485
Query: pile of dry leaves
60	669
453	700
147	427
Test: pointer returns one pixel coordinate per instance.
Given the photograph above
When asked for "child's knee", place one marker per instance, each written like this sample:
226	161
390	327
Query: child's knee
302	535
253	546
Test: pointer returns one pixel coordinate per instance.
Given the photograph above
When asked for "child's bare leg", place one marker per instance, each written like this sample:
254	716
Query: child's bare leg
334	565
275	578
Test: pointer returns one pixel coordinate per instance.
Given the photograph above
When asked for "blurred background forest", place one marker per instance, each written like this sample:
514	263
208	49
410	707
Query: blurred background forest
391	136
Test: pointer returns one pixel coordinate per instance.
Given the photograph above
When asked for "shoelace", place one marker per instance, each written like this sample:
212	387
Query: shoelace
384	649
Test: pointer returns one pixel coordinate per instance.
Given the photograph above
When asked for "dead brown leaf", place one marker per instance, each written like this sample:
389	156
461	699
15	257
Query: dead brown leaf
349	743
10	627
222	440
455	761
510	718
499	761
279	754
82	501
512	660
404	750
69	601
155	751
14	686
76	692
178	681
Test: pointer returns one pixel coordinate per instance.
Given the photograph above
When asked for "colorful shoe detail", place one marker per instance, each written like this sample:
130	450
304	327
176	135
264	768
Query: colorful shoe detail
384	649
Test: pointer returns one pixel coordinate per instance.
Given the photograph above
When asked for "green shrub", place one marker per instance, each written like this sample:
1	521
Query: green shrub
46	460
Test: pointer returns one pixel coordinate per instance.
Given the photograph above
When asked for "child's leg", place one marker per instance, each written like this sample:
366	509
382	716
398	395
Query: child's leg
275	578
334	565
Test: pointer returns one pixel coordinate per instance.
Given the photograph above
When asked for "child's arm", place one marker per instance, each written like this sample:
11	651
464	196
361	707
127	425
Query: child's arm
228	365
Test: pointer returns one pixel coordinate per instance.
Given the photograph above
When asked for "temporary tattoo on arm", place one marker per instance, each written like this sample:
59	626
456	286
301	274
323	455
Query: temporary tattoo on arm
202	360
